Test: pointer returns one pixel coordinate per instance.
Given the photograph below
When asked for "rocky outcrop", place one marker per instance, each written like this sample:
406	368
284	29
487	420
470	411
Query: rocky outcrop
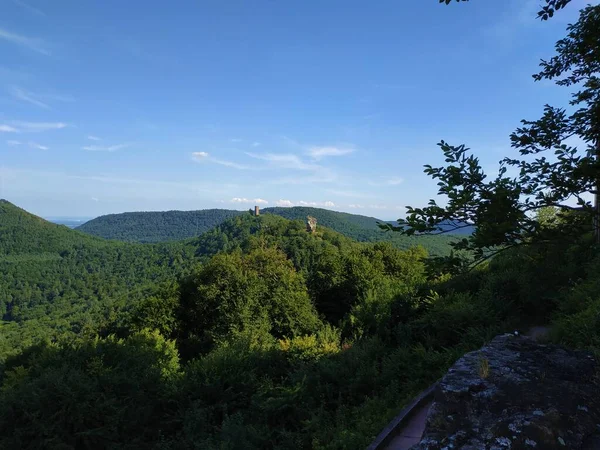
516	394
311	224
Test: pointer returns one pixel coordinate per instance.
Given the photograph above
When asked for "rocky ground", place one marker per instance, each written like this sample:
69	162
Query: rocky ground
516	393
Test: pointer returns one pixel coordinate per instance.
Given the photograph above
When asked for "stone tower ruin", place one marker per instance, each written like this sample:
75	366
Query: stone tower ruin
311	224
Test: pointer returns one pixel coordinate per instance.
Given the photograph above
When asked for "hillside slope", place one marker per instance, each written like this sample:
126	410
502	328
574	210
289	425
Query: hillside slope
177	225
158	226
56	280
22	232
59	281
113	344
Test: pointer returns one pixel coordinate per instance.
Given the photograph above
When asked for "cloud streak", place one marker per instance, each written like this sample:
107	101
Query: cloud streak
37	146
376	206
31	127
28	97
290	203
105	148
31	144
284	161
30	8
94	138
205	157
37	45
257	201
318	153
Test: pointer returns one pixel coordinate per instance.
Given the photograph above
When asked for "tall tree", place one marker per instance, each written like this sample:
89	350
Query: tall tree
559	165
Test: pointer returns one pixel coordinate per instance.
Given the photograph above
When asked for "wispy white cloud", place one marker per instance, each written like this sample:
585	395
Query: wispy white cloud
284	161
31	144
40	100
105	148
256	144
290	203
236	140
94	138
37	146
28	97
30	8
95	199
112	187
205	157
257	201
34	44
31	127
318	153
375	206
394	181
284	203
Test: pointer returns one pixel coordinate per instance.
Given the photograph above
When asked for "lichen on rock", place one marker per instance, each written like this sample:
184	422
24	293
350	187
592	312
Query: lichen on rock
530	396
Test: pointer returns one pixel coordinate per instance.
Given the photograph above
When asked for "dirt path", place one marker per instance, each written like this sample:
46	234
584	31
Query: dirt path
413	431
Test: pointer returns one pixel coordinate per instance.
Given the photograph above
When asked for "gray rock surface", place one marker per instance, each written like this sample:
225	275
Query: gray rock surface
516	394
311	224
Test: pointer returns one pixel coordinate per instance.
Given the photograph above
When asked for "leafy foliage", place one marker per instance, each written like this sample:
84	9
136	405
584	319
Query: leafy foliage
504	208
235	294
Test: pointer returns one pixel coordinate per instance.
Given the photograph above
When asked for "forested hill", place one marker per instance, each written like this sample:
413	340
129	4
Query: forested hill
351	225
159	226
17	236
156	226
177	225
279	339
58	281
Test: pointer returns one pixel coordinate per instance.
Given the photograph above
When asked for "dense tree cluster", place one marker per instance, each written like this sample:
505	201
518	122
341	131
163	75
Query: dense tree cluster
160	226
261	335
177	225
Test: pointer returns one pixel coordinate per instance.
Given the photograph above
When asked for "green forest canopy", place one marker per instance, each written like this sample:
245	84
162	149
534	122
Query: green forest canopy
178	225
256	334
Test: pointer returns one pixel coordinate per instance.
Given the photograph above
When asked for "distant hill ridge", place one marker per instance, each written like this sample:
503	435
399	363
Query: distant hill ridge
163	226
156	226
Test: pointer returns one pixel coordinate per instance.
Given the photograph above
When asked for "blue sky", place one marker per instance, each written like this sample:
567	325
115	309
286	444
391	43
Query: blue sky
201	104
